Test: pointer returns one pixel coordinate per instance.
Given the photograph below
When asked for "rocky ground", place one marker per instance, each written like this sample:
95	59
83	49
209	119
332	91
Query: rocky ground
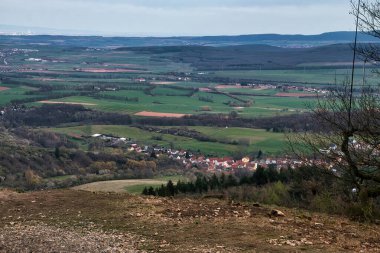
19	237
78	221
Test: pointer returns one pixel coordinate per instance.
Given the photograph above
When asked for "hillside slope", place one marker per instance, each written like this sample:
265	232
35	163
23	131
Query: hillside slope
249	57
124	223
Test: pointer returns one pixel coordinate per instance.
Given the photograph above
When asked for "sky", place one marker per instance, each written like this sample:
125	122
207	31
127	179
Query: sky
179	17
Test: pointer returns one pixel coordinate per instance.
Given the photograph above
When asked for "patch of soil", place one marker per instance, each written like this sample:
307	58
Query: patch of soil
3	88
20	237
63	219
7	194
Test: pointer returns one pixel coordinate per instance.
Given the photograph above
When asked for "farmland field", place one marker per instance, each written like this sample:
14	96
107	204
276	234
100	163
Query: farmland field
132	186
174	82
306	76
254	139
128	81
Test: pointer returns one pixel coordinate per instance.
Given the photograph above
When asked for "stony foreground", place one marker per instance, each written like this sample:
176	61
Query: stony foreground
43	238
78	221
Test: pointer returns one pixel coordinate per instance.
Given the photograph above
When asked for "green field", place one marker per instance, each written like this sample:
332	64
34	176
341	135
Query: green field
253	139
132	186
263	106
309	76
129	81
69	71
15	92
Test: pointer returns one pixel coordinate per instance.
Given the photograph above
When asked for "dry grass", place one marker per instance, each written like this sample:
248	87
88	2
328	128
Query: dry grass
188	225
116	185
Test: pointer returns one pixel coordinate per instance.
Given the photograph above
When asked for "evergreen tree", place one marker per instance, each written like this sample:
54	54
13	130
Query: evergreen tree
214	182
231	181
222	180
57	153
259	177
272	174
151	191
199	184
171	190
205	184
259	154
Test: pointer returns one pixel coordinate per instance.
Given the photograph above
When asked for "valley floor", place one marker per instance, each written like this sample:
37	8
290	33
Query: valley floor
80	221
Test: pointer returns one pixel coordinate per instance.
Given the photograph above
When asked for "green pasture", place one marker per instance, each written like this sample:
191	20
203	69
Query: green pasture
307	76
269	92
164	91
263	106
248	140
15	92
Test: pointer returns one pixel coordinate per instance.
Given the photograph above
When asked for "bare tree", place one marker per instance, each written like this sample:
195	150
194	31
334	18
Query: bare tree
347	142
368	15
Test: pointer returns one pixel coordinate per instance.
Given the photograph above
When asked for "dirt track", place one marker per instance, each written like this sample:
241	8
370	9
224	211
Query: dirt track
3	88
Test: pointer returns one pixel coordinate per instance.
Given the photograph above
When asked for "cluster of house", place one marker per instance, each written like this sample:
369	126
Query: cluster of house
189	160
285	87
226	164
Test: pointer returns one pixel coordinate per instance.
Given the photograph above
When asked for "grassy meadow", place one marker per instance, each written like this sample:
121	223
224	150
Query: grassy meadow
253	139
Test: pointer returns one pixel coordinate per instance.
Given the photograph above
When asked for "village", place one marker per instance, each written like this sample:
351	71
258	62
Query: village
207	164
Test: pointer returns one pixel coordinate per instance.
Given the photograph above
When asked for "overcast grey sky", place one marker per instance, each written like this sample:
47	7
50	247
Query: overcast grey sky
180	17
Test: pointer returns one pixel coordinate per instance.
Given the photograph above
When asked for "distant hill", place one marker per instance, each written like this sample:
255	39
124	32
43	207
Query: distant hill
248	57
292	41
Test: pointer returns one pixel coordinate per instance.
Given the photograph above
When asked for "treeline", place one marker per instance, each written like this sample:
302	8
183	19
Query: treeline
43	139
187	91
306	187
48	96
184	131
204	184
53	115
208	99
114	97
295	122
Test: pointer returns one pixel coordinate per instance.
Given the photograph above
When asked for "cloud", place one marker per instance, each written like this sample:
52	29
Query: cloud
180	17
